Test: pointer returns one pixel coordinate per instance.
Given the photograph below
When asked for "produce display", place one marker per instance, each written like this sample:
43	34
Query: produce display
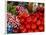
23	17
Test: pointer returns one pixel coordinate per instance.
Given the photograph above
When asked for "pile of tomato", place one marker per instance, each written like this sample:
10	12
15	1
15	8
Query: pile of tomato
32	23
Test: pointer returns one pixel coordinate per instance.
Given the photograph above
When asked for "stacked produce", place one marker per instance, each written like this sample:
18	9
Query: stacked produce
32	23
24	21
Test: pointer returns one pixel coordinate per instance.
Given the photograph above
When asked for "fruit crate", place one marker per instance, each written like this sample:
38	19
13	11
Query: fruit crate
24	17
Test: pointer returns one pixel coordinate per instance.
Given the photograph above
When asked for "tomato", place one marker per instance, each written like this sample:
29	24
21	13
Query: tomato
33	26
41	27
38	22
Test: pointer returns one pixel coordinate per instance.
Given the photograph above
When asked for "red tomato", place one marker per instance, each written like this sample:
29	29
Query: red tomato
38	22
33	26
41	28
24	30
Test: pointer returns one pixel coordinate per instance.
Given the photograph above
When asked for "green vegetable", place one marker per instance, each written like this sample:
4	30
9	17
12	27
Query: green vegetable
11	9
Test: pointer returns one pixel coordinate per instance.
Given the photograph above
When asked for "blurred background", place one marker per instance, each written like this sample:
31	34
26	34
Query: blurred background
30	6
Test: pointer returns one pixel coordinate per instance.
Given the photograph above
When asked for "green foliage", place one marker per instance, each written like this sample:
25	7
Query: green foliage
11	9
